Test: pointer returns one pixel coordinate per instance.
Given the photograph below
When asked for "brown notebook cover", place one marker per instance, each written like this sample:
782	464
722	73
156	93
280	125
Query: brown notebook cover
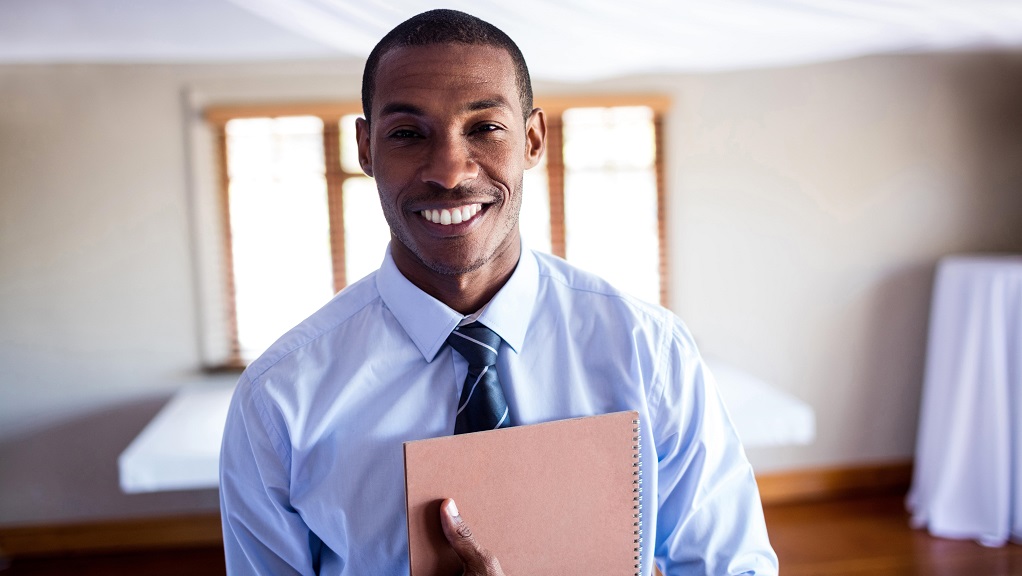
554	498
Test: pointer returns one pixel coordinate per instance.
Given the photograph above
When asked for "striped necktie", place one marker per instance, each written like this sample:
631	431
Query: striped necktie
482	405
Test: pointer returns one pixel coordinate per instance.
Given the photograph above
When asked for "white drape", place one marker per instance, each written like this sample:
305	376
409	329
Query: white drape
578	40
968	470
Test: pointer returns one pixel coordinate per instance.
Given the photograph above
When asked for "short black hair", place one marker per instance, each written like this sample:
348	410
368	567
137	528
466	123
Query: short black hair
445	27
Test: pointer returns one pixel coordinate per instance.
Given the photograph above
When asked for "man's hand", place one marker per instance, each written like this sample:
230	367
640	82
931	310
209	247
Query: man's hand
477	560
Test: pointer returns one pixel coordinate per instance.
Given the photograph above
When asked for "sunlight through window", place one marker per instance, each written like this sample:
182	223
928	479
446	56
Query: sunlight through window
280	230
535	218
610	196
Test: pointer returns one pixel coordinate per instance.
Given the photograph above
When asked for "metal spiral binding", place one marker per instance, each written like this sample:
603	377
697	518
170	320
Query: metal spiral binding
637	498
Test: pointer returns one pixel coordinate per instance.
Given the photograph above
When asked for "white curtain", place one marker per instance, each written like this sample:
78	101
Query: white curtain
587	39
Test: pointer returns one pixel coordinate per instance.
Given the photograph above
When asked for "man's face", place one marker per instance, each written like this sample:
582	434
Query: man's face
447	147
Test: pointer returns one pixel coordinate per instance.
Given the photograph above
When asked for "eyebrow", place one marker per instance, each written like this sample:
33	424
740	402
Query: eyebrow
405	108
401	108
488	104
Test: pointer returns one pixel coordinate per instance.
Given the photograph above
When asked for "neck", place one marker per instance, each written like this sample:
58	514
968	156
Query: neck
464	293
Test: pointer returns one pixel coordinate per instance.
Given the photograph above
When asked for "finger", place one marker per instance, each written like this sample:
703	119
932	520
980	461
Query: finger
477	559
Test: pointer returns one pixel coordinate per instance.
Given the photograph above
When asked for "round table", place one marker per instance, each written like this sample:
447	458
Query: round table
967	481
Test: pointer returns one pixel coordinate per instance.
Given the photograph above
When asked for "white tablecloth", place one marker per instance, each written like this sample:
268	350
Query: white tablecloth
968	470
180	448
762	414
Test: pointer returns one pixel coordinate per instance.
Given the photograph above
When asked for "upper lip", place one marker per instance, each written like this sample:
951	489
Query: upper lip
435	198
447	205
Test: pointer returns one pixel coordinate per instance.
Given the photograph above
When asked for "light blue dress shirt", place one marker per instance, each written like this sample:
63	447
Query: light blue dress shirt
311	471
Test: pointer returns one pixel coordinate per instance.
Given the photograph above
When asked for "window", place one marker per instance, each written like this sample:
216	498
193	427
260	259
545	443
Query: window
302	221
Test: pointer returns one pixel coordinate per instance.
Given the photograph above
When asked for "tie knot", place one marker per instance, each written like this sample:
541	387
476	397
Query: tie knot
476	343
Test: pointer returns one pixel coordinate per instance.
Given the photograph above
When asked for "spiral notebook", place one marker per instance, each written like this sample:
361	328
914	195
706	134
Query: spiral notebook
555	498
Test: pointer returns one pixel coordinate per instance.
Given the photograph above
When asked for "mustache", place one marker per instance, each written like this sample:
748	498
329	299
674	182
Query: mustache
433	193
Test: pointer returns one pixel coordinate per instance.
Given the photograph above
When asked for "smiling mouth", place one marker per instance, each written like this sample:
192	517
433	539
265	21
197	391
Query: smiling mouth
449	216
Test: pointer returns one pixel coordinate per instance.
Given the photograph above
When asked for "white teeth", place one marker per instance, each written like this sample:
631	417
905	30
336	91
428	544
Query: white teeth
446	217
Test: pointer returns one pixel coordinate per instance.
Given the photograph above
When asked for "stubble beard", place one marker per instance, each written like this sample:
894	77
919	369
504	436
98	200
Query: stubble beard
437	265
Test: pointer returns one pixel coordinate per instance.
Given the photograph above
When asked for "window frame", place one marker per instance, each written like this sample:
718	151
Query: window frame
554	107
216	118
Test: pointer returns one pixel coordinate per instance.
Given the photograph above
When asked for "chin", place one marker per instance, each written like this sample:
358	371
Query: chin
446	268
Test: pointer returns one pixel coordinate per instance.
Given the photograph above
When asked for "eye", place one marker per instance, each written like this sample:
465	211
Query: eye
485	127
403	134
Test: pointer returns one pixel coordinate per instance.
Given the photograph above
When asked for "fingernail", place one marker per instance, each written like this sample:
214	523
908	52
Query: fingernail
452	508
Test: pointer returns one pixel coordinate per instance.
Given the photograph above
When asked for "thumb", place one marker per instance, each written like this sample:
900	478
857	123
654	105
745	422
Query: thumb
477	560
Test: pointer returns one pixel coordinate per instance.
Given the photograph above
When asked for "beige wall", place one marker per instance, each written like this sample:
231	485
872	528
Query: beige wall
808	208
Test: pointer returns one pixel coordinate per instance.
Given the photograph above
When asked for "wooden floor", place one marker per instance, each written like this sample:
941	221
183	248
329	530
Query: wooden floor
871	536
851	537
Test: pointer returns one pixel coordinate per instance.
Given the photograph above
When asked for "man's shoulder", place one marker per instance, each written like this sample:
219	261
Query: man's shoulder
569	291
333	317
566	280
575	297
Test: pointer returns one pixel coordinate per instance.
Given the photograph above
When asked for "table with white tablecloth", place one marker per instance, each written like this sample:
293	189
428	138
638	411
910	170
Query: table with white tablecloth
968	469
180	448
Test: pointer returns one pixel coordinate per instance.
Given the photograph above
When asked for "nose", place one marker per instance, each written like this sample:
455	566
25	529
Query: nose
449	162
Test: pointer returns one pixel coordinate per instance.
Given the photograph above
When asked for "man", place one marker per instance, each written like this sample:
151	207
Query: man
311	468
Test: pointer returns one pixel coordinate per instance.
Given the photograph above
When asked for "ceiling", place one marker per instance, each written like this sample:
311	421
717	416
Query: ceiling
561	39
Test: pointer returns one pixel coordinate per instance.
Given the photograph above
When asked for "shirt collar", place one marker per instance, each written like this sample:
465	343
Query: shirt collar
510	310
428	322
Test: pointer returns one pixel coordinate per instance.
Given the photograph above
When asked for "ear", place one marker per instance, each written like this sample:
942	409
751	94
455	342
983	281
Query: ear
535	137
365	156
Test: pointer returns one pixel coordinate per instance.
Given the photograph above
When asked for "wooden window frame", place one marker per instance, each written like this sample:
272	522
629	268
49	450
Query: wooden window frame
331	113
554	108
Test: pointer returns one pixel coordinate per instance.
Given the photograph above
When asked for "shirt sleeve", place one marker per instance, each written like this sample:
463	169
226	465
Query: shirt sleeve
263	533
709	517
